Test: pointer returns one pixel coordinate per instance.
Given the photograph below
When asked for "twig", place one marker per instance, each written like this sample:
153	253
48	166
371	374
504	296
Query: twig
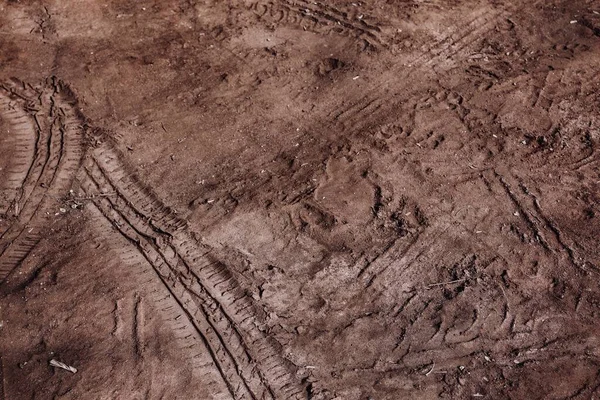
446	283
431	370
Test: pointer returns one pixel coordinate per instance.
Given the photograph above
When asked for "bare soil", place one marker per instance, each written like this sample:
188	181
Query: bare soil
293	199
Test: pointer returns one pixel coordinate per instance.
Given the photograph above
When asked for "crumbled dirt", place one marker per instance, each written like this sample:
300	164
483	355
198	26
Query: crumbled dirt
293	199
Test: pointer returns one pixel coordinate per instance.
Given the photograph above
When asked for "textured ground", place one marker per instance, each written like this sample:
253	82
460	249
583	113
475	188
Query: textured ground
292	199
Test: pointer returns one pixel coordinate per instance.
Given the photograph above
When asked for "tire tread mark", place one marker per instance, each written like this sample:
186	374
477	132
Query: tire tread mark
58	160
168	257
21	127
322	17
551	226
235	321
374	103
166	278
523	212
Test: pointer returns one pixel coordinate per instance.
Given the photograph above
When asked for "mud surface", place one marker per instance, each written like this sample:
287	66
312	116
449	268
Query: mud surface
294	199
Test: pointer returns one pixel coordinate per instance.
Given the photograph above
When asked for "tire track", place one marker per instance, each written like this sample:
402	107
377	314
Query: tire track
223	316
544	230
321	18
50	129
455	326
20	128
374	105
129	225
160	294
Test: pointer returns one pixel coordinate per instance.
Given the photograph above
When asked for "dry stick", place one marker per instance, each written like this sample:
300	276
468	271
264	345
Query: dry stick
446	283
431	370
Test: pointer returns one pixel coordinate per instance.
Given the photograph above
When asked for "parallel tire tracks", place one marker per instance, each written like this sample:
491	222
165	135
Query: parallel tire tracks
222	315
379	100
49	131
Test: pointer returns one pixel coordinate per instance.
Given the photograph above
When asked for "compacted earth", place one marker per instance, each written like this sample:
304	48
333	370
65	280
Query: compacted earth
294	199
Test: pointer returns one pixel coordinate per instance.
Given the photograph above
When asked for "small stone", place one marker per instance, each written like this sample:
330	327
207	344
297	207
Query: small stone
301	330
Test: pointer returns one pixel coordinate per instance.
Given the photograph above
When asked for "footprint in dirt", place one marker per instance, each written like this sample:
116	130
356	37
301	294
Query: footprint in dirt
345	192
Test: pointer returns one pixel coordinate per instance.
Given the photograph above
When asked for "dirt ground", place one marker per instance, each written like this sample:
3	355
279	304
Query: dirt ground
294	199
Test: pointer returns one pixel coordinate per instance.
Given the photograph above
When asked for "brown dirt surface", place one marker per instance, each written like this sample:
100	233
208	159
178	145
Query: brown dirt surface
294	199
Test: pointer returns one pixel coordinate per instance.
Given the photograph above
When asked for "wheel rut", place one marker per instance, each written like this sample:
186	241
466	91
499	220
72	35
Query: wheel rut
222	317
380	98
49	132
321	18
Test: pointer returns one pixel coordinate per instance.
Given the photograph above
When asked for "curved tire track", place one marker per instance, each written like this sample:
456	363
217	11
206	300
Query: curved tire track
49	131
20	127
